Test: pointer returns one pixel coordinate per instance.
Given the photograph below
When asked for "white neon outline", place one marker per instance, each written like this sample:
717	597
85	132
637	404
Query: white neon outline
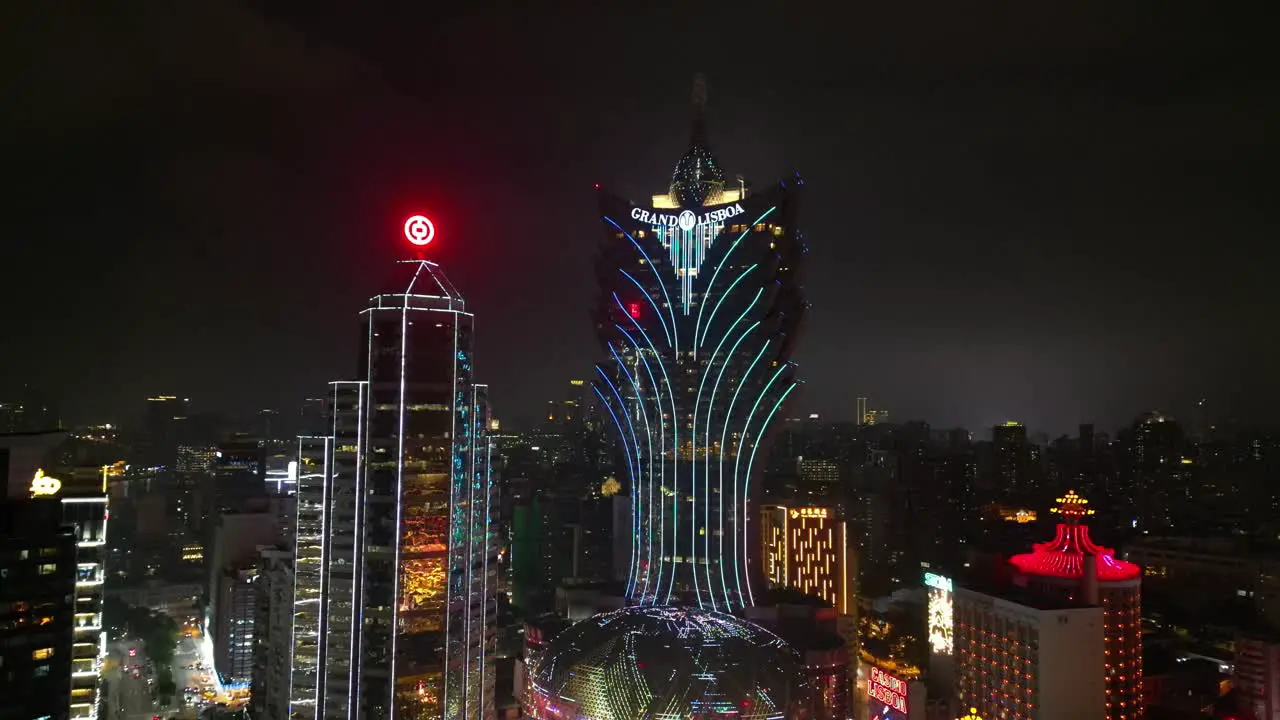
711	283
675	439
706	480
738	478
724	439
706	472
747	484
644	415
662	469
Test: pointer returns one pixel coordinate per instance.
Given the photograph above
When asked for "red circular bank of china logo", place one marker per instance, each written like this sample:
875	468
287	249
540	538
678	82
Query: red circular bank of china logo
419	230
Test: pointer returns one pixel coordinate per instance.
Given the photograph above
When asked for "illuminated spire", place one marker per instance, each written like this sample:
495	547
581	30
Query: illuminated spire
698	178
1072	508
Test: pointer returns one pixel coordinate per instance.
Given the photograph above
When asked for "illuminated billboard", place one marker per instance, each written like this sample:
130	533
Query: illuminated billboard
886	696
941	612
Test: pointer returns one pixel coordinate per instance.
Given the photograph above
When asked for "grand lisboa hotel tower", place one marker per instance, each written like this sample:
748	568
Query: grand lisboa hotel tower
698	310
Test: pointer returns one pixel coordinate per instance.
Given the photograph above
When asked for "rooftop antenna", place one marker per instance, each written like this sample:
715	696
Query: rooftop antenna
700	109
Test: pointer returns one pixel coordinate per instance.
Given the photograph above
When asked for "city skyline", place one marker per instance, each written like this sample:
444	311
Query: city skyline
1003	233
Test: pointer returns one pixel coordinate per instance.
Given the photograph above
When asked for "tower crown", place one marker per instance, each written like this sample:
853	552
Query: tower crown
698	177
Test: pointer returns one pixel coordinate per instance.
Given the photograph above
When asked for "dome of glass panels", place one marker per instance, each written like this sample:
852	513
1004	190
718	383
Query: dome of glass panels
667	662
697	176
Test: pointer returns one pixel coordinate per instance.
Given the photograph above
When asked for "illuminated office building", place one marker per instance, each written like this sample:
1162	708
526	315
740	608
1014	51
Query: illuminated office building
699	308
396	559
807	548
1072	567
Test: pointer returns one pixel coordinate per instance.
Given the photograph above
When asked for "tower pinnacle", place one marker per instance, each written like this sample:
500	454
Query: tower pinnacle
697	177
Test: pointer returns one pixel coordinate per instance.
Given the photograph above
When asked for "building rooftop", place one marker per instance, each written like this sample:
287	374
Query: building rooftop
1026	598
1063	556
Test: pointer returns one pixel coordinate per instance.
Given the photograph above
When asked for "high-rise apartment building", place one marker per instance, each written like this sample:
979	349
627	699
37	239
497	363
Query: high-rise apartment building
699	308
272	636
395	556
37	607
1256	675
233	644
1012	460
1023	656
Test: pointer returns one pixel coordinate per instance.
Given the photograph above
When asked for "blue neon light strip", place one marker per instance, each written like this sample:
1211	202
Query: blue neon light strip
675	426
622	405
751	598
706	472
712	282
706	506
662	468
675	343
630	467
724	439
657	313
746	431
723	296
648	433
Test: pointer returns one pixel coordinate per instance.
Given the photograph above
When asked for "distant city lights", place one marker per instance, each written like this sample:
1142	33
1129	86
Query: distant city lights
43	485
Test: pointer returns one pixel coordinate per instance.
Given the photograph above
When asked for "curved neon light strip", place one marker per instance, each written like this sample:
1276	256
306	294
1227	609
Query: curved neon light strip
662	468
750	595
706	472
675	427
675	343
693	475
737	458
652	304
622	405
712	282
723	296
648	433
724	439
630	467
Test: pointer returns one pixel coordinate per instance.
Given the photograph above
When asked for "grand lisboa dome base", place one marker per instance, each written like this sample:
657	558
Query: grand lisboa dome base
664	663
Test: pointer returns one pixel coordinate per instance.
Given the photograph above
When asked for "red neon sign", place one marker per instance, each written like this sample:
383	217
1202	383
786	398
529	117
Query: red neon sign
419	230
887	689
633	309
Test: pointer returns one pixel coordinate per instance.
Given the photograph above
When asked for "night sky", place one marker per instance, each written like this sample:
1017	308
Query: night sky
1037	211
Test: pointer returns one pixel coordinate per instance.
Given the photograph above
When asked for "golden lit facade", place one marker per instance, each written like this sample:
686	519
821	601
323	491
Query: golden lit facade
807	548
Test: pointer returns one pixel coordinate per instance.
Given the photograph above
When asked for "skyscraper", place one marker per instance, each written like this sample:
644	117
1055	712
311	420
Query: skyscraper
395	556
698	310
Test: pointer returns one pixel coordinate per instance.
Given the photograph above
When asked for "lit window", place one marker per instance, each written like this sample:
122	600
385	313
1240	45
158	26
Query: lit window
42	654
48	569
